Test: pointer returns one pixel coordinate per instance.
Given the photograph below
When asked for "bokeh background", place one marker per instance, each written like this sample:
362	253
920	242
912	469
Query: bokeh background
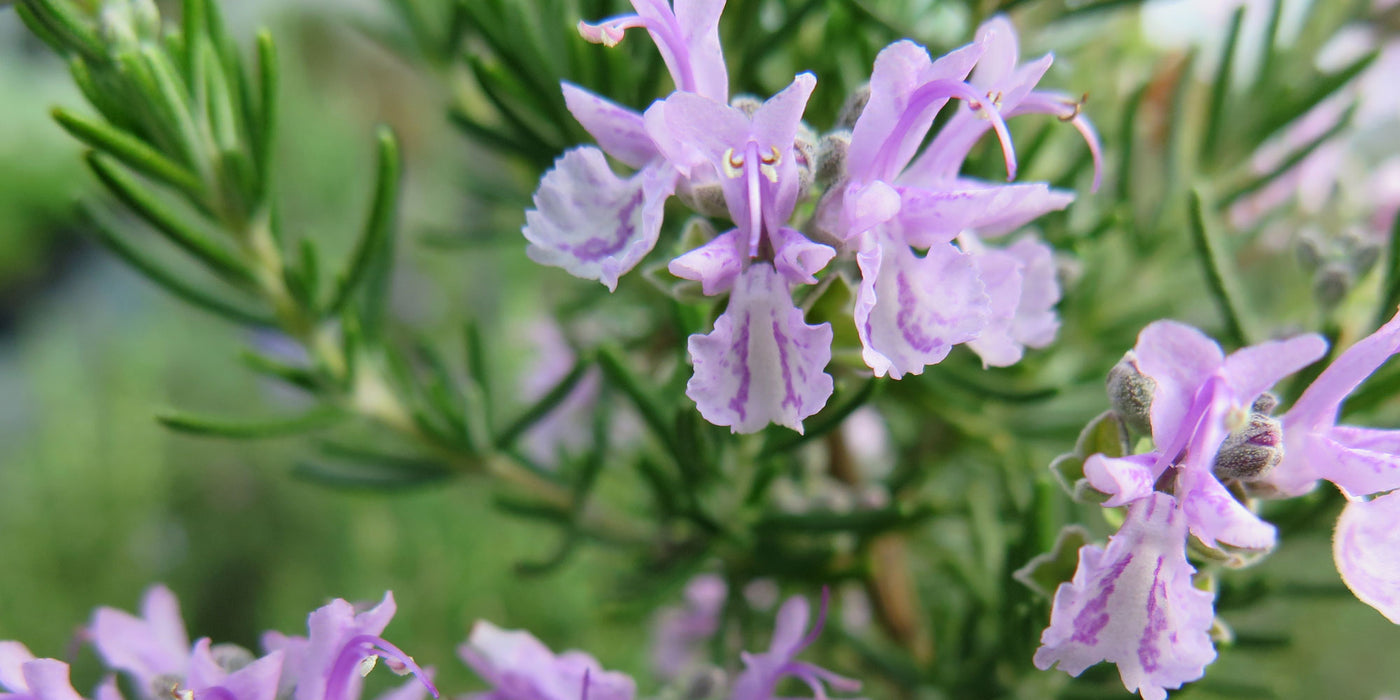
97	500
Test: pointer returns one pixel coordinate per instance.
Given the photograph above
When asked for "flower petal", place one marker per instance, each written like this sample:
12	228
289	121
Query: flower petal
620	132
998	35
592	223
519	666
1001	273
762	363
797	258
146	646
910	311
1126	479
1179	359
1253	370
1362	461
1133	605
48	680
1367	551
13	656
1318	405
931	216
714	265
1215	516
699	21
691	130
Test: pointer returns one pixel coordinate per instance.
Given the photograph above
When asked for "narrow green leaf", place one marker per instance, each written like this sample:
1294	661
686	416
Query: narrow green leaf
1391	299
265	128
131	151
1219	275
1269	49
1258	182
479	376
1324	87
157	273
494	84
74	32
174	226
318	418
1127	142
859	522
40	28
193	27
299	377
379	224
174	98
620	376
371	477
1220	89
541	408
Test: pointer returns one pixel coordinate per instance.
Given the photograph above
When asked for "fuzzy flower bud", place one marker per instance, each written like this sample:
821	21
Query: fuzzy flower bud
1130	393
853	107
831	158
1252	451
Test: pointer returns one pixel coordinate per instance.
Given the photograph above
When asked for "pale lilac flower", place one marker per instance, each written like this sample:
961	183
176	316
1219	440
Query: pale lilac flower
762	672
565	430
340	648
679	633
28	678
586	219
1199	395
1360	461
519	667
1133	605
146	647
1021	283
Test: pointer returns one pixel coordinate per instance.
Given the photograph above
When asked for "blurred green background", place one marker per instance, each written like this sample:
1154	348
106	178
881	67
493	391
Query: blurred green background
97	501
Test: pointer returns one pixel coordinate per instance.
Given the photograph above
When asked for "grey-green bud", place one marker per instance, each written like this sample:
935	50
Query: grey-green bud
1265	404
831	158
748	104
1332	283
706	197
853	107
231	657
804	148
1252	451
1130	393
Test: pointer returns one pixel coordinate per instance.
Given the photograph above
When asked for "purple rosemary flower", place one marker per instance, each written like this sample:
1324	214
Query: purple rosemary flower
1023	290
145	647
679	632
1133	605
1360	461
1200	395
519	667
762	672
586	219
340	649
27	678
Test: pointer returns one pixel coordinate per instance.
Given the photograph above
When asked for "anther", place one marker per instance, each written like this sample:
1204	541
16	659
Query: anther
1077	107
733	163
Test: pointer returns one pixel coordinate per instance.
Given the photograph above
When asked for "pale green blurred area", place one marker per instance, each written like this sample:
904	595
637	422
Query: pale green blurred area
97	501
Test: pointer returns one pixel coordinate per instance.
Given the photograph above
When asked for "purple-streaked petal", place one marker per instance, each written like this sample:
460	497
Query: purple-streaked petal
762	363
714	265
13	656
931	216
1133	605
48	680
146	646
592	223
910	310
797	258
1367	552
1180	359
1252	370
620	131
1317	407
1126	479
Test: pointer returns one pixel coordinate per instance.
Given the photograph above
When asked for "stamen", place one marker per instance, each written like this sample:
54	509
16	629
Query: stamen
768	165
934	91
352	659
733	164
1076	108
773	158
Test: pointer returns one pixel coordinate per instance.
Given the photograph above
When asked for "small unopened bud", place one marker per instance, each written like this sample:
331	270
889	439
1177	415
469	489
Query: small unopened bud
831	158
748	104
804	149
125	24
853	107
1333	282
1251	451
1130	393
1310	253
231	657
706	198
1265	404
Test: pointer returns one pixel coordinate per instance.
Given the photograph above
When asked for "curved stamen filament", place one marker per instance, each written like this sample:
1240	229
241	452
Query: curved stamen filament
1066	110
935	91
352	659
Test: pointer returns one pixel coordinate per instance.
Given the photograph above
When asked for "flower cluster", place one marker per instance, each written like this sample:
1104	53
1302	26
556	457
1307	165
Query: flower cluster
343	646
903	219
153	650
1216	447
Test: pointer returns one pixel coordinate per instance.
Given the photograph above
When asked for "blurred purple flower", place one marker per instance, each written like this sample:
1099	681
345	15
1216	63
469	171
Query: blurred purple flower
679	633
519	667
762	672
